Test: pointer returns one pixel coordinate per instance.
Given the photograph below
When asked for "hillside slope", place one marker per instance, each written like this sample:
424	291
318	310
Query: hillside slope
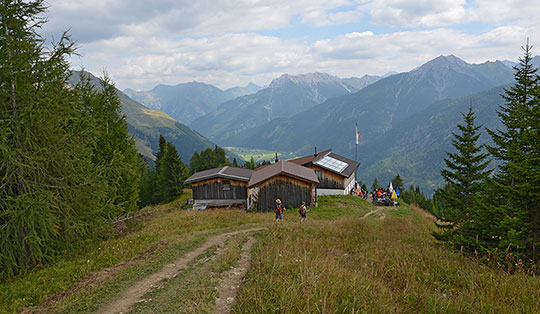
376	108
416	146
340	261
285	96
145	125
184	102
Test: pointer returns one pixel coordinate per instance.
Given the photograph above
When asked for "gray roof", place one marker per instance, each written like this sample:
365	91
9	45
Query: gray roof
346	172
226	172
285	168
347	168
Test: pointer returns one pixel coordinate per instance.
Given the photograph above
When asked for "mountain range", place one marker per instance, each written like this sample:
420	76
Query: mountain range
406	119
375	109
285	96
187	101
145	125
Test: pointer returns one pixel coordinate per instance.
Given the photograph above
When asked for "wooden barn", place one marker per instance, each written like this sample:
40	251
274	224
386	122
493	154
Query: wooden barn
287	181
336	174
220	187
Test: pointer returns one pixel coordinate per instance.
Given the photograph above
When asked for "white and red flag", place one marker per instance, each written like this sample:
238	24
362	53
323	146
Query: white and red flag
358	134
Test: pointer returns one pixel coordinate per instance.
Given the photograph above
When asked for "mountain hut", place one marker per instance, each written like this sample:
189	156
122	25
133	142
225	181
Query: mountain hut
291	183
220	187
336	174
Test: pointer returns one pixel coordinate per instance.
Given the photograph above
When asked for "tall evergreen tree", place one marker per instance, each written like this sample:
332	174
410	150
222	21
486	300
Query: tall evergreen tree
517	182
466	171
376	185
115	151
50	190
465	175
171	174
397	182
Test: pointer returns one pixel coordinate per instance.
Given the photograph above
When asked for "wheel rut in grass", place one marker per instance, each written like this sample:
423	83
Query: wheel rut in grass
379	208
232	279
125	301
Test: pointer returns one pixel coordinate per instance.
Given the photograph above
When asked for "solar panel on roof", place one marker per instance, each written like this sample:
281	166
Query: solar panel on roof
332	164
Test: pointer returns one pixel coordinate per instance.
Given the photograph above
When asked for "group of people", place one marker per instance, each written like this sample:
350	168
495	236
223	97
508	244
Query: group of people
279	209
387	196
358	191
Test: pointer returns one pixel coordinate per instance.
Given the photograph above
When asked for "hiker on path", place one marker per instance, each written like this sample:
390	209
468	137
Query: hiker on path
279	210
303	211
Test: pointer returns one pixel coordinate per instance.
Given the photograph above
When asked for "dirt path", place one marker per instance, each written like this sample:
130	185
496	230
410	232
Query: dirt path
379	208
125	301
232	280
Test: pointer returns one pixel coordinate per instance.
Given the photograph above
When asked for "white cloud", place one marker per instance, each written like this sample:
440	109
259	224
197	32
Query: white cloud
410	13
141	44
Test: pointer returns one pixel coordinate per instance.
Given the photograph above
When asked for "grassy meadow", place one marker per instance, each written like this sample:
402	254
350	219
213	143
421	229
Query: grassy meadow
334	263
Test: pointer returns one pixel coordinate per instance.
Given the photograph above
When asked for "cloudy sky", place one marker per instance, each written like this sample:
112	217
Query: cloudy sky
142	43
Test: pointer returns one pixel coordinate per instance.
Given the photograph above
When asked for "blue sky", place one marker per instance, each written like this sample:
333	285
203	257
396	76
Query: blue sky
143	43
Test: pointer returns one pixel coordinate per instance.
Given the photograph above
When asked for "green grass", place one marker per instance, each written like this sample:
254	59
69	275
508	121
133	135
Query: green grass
259	155
375	266
194	290
334	263
168	227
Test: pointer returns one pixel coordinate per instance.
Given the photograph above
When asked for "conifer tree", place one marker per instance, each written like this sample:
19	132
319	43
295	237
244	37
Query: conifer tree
50	190
466	171
516	186
170	175
397	182
376	185
115	151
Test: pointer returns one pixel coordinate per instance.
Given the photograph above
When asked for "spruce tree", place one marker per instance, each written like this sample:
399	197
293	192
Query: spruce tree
170	175
376	185
466	170
516	186
397	182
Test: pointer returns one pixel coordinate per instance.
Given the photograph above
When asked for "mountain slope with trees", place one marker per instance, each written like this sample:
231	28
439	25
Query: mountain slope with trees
184	102
146	125
285	96
376	108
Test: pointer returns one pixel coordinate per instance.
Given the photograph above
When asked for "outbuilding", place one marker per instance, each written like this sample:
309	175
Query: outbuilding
291	183
336	174
220	187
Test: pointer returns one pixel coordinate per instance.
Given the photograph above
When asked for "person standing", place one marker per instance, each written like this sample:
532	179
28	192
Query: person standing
279	210
303	212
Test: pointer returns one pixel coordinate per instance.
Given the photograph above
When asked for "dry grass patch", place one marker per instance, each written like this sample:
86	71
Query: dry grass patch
372	265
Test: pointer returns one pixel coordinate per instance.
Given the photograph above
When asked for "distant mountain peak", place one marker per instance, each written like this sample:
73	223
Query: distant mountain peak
252	86
308	79
443	63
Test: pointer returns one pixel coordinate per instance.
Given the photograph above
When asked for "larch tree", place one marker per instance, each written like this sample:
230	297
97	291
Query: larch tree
50	190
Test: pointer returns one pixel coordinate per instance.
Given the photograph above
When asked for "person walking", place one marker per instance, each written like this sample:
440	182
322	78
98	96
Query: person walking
279	210
303	212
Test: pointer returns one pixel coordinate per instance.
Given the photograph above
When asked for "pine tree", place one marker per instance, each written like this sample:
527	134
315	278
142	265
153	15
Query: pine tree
376	185
516	186
170	175
397	182
466	171
195	163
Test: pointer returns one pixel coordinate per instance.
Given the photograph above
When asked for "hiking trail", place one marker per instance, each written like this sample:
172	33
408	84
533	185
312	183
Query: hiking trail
124	302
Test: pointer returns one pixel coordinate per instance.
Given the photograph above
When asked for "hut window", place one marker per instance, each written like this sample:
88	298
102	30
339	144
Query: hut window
318	173
226	185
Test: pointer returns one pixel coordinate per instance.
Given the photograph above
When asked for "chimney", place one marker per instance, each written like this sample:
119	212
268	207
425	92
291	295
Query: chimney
315	152
276	158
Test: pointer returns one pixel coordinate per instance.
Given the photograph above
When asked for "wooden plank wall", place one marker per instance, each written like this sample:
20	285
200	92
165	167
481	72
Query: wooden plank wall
213	190
329	179
291	192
